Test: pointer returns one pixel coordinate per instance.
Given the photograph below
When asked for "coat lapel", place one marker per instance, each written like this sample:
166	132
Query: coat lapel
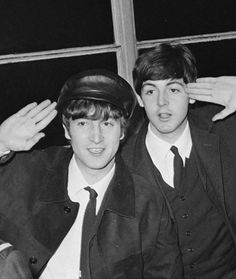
142	163
141	160
120	197
117	210
209	164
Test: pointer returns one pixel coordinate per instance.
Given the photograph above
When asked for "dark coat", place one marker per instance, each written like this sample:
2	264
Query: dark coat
134	236
215	147
12	264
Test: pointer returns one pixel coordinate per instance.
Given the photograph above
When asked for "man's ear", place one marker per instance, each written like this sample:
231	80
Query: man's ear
122	135
140	101
191	101
66	133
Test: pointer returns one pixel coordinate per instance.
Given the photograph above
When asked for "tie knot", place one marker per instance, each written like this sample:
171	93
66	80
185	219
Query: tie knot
174	149
92	193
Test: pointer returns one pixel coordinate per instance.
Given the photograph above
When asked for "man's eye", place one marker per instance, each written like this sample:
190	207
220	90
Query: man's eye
81	123
149	92
174	90
107	123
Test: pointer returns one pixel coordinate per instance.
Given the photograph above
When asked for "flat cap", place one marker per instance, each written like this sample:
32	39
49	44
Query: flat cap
101	85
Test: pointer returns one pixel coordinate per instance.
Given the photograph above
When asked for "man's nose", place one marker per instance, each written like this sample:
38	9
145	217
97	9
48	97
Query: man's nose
96	134
162	98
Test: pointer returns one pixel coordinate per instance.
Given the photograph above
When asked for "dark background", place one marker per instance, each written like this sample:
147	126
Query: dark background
27	26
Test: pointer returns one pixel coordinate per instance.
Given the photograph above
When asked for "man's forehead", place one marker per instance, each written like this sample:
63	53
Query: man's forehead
178	81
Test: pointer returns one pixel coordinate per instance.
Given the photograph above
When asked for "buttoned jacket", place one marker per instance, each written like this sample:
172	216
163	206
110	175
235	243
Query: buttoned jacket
134	236
215	148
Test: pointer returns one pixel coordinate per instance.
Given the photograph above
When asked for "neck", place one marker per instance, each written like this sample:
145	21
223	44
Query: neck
94	175
170	137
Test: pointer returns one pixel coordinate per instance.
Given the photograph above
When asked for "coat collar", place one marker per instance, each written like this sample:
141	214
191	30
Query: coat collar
121	193
121	189
140	159
56	175
208	155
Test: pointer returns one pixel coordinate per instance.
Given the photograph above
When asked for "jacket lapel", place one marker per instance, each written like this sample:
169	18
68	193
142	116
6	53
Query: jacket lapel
142	163
120	197
117	209
141	160
209	164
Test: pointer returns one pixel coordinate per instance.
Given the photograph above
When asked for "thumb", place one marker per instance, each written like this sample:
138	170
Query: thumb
223	114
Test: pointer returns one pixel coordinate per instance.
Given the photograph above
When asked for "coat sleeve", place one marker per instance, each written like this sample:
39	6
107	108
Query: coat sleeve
12	264
164	260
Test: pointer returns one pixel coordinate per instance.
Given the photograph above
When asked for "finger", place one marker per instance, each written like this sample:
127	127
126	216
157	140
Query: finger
26	109
38	108
204	86
199	92
44	122
44	112
206	80
30	143
202	98
223	114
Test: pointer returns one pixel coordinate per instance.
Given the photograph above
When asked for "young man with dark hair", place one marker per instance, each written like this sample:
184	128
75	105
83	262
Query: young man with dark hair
77	211
191	166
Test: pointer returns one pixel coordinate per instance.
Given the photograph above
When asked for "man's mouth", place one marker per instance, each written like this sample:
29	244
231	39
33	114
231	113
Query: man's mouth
164	116
96	150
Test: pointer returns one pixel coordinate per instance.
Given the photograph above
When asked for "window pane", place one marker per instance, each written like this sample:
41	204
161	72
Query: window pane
215	58
157	19
37	25
23	83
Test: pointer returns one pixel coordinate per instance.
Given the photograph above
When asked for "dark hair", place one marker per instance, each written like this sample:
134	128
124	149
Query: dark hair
165	61
94	110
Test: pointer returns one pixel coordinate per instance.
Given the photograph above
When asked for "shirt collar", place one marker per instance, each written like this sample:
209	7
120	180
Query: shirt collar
161	147
184	143
76	181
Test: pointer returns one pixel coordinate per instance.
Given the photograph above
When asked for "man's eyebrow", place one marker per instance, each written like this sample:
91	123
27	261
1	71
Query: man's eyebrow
147	83
181	83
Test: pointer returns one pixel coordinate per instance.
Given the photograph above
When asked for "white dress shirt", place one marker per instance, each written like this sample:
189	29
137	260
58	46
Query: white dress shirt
65	263
161	155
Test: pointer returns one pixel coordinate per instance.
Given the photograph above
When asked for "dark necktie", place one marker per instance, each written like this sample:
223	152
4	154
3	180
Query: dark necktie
178	167
87	230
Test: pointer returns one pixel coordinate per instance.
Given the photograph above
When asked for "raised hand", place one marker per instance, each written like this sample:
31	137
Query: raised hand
219	90
22	130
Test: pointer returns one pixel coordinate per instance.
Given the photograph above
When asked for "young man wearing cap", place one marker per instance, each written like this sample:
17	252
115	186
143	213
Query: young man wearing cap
79	212
192	167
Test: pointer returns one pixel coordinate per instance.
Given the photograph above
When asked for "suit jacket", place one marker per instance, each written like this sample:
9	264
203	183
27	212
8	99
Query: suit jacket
216	150
12	263
134	235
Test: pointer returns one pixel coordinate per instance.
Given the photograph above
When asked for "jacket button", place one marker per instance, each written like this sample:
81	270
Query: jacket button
67	209
192	265
187	233
190	250
182	198
185	216
33	260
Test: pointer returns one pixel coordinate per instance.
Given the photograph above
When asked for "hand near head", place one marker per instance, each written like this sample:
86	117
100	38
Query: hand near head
22	130
219	90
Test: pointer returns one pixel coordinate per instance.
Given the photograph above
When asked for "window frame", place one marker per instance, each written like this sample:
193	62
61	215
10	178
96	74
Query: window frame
125	43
